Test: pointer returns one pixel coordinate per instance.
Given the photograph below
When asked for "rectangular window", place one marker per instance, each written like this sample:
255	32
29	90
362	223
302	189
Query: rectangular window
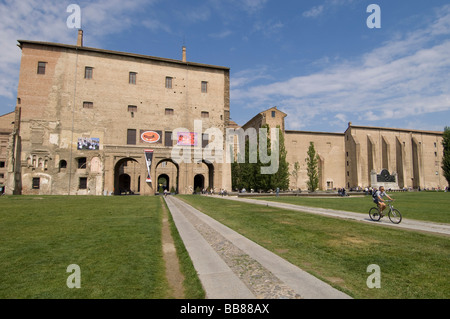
273	113
131	137
169	112
41	67
36	183
132	78
169	82
88	72
82	163
88	105
168	139
205	115
204	87
2	164
205	140
83	183
2	175
132	108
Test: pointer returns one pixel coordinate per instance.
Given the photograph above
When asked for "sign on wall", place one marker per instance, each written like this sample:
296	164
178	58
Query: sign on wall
87	143
187	139
148	159
151	136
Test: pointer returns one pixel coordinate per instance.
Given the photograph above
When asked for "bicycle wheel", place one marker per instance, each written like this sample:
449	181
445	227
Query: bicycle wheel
374	214
395	216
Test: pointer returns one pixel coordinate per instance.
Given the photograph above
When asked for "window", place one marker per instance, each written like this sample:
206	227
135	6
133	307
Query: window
88	105
2	164
2	175
168	139
82	163
132	78
204	87
132	108
273	113
41	67
36	183
205	140
62	164
88	72
131	137
83	183
205	115
169	82
169	112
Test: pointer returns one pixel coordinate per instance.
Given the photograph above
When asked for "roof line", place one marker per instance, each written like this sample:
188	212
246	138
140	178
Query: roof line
133	55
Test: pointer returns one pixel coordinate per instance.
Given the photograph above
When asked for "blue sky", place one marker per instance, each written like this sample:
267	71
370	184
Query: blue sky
316	60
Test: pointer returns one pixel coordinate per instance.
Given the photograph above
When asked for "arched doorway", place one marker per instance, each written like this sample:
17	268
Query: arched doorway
167	171
163	182
127	177
199	183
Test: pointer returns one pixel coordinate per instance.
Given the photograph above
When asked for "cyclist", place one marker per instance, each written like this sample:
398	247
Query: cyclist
378	199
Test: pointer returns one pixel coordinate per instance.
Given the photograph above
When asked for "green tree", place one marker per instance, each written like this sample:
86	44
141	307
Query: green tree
446	157
312	162
295	172
281	177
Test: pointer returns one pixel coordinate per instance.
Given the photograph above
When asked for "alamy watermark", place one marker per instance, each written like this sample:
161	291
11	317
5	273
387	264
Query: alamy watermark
190	147
74	280
374	280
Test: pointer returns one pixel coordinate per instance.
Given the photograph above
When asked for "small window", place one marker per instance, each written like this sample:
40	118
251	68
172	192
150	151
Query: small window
169	112
36	183
82	163
132	78
273	113
62	164
88	105
83	183
131	137
2	164
168	139
204	87
205	115
205	140
132	108
41	67
88	72
169	82
2	175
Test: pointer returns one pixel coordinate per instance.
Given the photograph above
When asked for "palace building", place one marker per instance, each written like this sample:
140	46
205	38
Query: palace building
97	122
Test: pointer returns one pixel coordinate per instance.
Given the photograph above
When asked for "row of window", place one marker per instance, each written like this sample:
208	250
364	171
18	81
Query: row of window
36	184
132	76
134	109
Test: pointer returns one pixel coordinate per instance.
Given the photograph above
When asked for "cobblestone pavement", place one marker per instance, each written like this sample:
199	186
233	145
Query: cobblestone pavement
258	279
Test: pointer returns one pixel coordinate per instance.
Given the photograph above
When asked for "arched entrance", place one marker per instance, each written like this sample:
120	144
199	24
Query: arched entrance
167	172
126	177
163	182
199	182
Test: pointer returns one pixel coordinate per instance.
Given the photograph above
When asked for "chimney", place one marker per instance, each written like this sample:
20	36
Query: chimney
184	53
80	38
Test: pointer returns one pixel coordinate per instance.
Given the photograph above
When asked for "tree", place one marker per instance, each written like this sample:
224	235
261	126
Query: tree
446	157
312	162
281	177
295	172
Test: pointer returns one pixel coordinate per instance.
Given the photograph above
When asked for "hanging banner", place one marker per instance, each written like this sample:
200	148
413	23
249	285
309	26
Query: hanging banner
148	159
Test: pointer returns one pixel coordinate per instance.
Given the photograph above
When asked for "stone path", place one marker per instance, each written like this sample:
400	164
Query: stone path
231	266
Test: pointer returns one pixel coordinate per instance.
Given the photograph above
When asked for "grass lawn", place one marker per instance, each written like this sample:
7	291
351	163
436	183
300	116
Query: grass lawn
116	241
413	264
427	206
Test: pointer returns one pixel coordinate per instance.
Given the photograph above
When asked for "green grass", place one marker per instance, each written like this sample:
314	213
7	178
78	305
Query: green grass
116	241
413	264
427	206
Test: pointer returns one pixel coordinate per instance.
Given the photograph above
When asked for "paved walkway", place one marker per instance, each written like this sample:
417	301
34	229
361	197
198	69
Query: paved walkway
443	229
231	266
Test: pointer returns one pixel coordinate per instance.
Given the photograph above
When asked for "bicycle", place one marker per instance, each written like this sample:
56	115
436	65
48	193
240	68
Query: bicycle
394	214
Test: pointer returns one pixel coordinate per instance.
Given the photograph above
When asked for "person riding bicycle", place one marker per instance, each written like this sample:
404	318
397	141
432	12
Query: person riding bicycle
378	199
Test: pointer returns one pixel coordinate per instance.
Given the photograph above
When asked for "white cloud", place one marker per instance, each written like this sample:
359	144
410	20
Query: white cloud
404	77
313	12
